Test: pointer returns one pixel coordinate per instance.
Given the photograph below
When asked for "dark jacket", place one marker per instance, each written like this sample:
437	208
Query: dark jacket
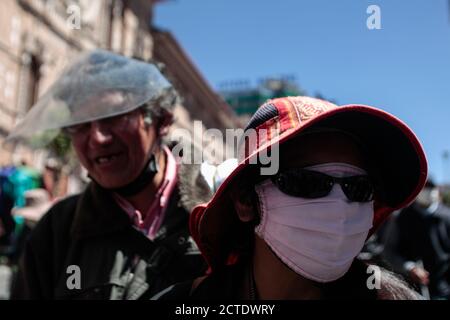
421	235
7	223
85	247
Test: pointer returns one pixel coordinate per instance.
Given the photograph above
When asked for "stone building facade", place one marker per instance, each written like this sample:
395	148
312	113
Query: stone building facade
39	37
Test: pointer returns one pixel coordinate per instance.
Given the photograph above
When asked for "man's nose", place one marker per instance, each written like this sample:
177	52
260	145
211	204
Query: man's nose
99	134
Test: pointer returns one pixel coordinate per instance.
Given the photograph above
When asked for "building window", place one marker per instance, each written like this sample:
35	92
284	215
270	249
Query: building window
34	76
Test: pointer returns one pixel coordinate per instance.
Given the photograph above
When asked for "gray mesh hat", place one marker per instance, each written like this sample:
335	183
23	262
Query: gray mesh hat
98	85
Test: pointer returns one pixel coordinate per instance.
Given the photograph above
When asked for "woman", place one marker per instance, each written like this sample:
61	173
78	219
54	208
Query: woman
296	234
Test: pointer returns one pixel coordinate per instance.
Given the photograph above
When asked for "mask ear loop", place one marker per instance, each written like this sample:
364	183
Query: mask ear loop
259	190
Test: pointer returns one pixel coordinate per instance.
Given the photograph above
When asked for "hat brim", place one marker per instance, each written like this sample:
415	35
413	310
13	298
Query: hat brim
396	150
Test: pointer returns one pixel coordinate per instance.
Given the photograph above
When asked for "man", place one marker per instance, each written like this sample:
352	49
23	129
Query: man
418	245
126	236
296	233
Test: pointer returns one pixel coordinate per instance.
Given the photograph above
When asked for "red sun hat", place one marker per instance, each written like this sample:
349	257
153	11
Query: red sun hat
396	152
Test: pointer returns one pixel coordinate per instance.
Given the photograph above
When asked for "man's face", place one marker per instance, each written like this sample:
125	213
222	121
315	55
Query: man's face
114	150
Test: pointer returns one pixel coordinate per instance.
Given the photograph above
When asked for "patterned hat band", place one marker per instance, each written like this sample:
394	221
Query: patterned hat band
277	117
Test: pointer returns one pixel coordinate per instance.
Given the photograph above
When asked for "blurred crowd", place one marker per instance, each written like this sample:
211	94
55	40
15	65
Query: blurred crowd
415	243
26	194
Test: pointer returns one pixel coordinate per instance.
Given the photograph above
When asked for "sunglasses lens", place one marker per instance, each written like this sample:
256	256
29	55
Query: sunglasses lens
303	183
358	188
311	184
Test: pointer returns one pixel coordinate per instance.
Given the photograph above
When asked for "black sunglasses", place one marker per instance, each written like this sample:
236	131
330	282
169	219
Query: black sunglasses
312	184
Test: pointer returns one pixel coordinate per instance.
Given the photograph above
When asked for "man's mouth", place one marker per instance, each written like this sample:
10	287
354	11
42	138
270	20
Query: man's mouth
105	159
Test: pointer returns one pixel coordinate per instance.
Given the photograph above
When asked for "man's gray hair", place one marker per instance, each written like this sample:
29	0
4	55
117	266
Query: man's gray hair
160	111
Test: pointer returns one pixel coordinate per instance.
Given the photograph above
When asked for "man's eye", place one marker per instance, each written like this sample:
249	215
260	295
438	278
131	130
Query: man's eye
116	119
76	128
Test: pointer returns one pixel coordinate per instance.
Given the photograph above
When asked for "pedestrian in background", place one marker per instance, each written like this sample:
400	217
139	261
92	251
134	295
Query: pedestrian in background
418	244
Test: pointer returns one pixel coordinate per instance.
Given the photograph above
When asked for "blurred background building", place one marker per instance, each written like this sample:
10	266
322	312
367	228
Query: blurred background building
39	37
245	98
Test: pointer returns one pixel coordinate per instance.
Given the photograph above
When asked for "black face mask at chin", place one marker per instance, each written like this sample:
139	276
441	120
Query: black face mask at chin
142	180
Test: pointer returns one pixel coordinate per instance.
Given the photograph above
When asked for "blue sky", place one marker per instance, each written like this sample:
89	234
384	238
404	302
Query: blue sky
404	68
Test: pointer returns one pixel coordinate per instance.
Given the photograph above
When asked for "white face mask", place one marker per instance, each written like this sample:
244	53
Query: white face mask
317	238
